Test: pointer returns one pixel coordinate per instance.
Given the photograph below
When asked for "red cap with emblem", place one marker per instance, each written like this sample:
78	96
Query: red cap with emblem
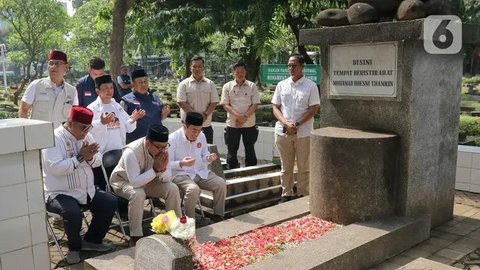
81	115
57	55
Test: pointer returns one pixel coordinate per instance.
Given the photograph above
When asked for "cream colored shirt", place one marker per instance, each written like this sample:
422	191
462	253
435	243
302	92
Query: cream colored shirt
198	94
240	97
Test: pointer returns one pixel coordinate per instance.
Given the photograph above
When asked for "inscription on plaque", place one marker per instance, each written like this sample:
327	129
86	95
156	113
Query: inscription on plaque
364	70
153	254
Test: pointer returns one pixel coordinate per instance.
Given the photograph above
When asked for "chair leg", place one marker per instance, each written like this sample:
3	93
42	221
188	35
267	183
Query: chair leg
200	207
50	229
121	224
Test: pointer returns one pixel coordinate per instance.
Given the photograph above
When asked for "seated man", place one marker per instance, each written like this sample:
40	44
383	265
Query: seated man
143	172
67	169
189	159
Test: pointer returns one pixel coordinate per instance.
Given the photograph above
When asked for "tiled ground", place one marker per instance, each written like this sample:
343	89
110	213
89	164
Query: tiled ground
449	243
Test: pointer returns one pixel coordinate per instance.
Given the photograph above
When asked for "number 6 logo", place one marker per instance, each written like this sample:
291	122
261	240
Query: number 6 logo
442	34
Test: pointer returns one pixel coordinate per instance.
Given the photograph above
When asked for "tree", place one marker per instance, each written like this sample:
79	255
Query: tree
117	37
35	32
31	27
90	31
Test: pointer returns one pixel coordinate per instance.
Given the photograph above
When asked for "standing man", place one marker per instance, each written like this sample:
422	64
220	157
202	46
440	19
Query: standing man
189	159
51	98
124	81
69	188
295	102
142	99
143	172
198	94
86	85
240	99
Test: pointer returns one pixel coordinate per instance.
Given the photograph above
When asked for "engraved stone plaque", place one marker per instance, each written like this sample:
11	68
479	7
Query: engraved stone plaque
366	70
162	252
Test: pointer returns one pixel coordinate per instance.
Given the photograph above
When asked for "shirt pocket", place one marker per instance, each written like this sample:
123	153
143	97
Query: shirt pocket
301	100
42	103
67	105
198	95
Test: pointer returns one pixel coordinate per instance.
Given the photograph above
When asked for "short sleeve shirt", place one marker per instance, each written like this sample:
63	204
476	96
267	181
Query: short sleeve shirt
198	94
295	99
240	97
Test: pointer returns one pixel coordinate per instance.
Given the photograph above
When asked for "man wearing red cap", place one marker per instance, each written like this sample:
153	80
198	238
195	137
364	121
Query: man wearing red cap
69	188
51	98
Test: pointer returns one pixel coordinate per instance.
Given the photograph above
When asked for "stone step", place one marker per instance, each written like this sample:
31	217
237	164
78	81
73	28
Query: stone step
252	170
248	201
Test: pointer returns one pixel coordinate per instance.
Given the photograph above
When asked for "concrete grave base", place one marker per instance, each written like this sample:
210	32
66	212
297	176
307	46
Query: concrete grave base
356	246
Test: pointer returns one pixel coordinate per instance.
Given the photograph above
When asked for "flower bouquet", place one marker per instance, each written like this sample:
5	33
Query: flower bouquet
181	228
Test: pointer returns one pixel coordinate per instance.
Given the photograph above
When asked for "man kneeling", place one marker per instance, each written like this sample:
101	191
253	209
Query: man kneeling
143	172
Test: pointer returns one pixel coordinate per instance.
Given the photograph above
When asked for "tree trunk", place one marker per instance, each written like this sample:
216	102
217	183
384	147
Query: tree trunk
296	31
120	9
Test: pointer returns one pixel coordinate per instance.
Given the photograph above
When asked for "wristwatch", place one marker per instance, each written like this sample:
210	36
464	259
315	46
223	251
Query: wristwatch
80	158
297	124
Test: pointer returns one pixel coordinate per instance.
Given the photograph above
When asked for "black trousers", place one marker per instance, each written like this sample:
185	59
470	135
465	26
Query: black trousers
208	131
232	140
102	207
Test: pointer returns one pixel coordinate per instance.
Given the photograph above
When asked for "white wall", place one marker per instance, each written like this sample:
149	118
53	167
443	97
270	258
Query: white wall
23	233
468	169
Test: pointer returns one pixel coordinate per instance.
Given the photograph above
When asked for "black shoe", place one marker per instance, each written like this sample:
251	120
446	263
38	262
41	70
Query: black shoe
286	199
217	218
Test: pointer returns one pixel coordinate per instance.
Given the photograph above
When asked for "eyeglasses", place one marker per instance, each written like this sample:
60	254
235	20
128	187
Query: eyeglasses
83	127
161	147
55	63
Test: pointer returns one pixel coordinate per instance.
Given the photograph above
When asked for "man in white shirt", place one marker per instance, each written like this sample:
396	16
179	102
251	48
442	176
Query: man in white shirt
69	188
295	102
240	99
189	159
51	98
198	94
143	172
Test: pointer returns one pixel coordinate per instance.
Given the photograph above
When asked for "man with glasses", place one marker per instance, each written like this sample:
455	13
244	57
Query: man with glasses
51	98
69	188
189	159
143	171
86	84
142	99
198	94
295	102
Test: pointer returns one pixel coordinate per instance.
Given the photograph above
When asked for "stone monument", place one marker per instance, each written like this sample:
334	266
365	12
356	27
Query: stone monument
162	252
380	78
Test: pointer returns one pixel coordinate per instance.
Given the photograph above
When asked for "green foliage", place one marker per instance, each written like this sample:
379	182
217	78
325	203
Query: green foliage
469	125
7	115
472	80
36	27
90	33
266	97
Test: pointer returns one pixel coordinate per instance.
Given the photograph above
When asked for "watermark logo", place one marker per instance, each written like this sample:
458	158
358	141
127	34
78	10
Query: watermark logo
442	34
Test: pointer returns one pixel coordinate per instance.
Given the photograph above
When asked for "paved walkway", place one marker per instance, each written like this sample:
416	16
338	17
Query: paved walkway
456	243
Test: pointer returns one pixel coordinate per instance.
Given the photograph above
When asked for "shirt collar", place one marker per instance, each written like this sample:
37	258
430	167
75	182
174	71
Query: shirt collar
192	79
299	81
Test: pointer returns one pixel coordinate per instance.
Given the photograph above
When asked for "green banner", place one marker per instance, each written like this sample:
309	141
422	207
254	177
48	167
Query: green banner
275	73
